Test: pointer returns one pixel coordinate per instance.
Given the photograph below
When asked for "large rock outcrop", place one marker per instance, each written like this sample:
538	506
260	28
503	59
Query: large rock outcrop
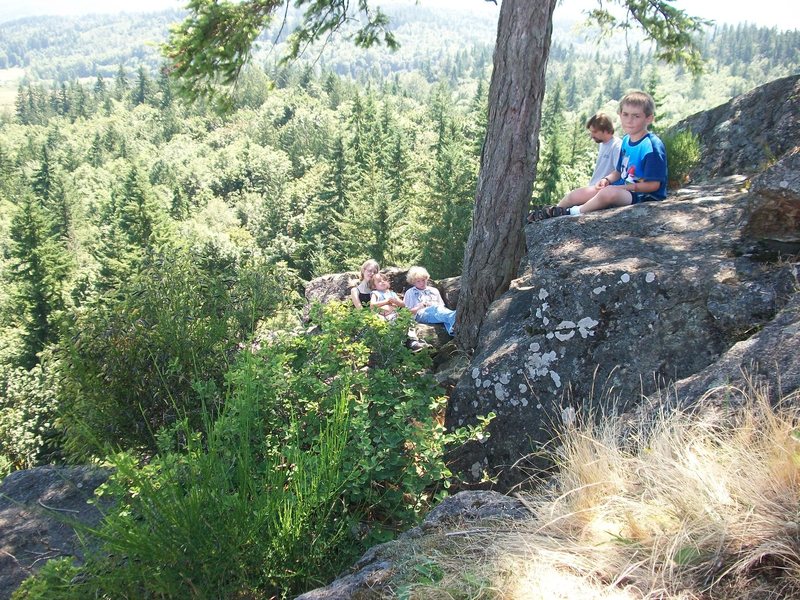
37	508
748	133
619	303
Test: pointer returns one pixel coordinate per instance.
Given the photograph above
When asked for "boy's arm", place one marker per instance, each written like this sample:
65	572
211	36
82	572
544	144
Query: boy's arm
608	180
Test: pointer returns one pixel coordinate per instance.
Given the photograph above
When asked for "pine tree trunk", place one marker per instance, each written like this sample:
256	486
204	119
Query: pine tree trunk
508	161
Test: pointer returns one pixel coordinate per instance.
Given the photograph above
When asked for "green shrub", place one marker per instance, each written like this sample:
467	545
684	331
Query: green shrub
131	367
318	433
396	444
222	519
28	412
683	154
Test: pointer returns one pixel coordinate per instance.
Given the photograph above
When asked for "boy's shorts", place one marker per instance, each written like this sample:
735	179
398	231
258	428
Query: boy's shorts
638	198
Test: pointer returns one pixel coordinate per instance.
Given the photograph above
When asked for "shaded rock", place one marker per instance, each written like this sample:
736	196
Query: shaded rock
619	304
329	288
747	133
766	361
450	289
337	286
371	575
34	508
775	220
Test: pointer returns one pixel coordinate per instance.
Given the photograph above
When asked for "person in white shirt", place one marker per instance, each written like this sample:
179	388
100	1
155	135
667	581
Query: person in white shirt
601	130
425	301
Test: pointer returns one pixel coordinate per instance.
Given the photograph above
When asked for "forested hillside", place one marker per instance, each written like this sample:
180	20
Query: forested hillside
147	243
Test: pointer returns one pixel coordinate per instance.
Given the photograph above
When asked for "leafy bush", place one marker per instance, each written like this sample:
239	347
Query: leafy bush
683	154
131	368
28	410
317	432
221	519
394	452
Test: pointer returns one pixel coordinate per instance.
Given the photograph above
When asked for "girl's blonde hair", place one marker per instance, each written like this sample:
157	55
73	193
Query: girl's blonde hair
378	277
369	263
415	273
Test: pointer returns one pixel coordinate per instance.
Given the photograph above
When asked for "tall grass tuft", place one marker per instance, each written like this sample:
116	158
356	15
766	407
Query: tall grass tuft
223	518
696	505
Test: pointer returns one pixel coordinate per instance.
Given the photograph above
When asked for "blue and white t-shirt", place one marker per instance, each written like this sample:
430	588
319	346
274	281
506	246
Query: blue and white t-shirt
645	160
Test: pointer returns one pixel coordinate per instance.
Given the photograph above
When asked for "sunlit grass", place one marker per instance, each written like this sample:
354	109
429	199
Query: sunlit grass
690	505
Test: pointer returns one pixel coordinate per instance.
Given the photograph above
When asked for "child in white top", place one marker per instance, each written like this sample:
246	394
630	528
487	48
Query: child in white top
384	299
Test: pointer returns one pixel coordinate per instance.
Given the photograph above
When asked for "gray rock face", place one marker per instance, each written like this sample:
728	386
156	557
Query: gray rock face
767	361
619	304
33	507
750	131
373	573
776	218
337	286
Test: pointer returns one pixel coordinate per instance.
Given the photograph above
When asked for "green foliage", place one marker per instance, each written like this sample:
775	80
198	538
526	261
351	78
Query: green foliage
683	154
209	49
225	516
28	410
131	364
317	431
394	452
52	581
674	31
39	264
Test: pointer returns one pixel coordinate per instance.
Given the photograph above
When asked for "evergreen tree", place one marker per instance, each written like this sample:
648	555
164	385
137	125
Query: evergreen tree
322	241
38	267
136	227
120	83
142	88
550	165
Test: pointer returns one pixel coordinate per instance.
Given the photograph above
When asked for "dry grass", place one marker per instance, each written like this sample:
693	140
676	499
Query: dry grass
700	505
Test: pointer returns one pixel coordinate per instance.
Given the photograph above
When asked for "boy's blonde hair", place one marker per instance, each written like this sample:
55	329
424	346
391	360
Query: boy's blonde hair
377	278
641	100
415	273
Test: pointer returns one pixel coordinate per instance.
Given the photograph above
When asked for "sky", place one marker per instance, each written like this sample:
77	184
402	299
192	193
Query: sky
767	13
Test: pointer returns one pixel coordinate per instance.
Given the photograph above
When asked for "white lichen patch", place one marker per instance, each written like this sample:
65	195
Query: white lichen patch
500	391
586	325
625	278
476	470
476	372
563	337
556	378
543	294
505	378
523	388
599	290
650	277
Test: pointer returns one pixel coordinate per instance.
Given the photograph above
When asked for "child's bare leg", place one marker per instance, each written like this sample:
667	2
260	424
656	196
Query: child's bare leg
578	197
607	197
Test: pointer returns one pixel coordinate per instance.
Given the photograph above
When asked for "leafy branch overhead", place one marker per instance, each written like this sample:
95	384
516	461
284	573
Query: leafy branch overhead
207	51
670	28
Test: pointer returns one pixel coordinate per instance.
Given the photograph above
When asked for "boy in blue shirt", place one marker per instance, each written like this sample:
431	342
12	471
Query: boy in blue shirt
641	173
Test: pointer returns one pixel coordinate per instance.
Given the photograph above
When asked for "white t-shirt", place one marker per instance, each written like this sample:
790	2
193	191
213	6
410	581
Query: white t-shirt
607	157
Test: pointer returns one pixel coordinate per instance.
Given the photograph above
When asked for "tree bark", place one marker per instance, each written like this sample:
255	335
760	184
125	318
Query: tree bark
508	161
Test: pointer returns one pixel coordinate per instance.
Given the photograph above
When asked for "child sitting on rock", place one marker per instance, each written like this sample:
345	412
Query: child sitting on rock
425	302
384	299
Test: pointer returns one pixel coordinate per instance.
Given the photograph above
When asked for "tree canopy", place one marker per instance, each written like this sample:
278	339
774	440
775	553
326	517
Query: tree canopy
210	47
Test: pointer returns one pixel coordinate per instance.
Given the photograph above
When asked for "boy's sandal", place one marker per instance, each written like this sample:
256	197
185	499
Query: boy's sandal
546	212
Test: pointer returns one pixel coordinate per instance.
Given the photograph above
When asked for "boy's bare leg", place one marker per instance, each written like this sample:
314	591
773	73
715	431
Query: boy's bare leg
578	197
607	197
